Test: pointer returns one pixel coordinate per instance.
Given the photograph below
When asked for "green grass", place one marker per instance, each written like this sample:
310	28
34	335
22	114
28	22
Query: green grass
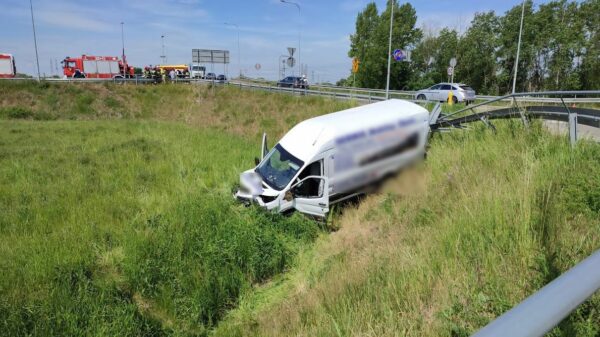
120	227
116	218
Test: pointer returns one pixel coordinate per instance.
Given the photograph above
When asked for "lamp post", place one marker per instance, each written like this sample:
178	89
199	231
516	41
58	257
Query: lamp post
299	29
518	48
238	44
37	60
387	85
123	43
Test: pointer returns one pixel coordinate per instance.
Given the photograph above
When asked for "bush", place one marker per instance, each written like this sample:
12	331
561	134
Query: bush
16	112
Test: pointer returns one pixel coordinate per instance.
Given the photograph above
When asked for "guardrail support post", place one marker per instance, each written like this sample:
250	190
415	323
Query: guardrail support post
572	124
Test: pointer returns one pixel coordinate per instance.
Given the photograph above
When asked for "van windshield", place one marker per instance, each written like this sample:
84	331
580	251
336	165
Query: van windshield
279	167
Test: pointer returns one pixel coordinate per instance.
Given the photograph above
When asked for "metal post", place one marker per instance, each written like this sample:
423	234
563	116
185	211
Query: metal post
572	123
163	56
518	48
299	30
123	42
387	85
37	60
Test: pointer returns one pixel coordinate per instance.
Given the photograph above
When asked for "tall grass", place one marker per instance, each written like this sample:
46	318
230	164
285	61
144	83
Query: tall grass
116	218
124	228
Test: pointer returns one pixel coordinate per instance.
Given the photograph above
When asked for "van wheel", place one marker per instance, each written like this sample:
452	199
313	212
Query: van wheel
454	99
421	97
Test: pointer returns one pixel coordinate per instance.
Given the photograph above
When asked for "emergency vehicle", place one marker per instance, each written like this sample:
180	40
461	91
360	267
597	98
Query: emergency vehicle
96	67
7	66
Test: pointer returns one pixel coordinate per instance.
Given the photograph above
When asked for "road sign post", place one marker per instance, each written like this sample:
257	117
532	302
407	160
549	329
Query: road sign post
452	65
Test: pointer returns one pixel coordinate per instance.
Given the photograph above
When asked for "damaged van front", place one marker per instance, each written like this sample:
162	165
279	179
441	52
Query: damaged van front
275	185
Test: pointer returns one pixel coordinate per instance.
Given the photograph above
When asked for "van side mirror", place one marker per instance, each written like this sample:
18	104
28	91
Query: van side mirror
256	161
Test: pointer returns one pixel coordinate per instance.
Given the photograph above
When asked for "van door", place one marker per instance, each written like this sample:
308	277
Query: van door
311	196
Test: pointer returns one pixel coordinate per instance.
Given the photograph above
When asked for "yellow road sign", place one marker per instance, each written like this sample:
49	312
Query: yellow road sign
355	63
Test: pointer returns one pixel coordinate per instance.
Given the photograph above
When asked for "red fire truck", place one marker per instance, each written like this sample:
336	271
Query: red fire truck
96	67
7	66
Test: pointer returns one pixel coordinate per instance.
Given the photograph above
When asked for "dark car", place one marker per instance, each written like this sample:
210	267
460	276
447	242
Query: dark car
293	82
211	76
222	78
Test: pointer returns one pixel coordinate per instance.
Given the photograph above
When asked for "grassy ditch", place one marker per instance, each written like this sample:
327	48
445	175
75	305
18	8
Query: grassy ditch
116	218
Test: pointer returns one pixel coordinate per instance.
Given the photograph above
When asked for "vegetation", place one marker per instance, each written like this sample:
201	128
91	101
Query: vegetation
560	49
116	218
121	222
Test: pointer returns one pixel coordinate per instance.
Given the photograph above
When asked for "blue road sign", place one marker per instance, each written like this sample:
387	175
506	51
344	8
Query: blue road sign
399	55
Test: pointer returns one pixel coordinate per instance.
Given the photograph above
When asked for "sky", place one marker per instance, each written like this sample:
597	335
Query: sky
266	29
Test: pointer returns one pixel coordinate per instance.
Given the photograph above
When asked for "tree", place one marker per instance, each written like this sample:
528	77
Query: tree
370	44
476	55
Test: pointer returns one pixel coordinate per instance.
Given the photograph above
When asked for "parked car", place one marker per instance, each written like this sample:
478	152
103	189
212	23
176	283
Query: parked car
439	92
222	78
211	76
293	82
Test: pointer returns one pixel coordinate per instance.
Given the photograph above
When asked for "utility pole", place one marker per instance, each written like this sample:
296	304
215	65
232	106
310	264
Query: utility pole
238	44
123	42
387	85
163	56
299	30
518	48
37	59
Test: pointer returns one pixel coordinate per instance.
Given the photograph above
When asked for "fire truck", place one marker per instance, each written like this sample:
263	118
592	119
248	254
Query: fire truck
96	67
7	66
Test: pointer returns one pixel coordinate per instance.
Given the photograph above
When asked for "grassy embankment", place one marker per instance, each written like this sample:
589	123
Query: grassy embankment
125	225
121	221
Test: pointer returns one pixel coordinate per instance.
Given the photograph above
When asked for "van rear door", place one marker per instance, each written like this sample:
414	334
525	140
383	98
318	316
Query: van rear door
311	196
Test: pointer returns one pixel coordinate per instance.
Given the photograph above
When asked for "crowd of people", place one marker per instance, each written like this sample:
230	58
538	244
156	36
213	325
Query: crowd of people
162	74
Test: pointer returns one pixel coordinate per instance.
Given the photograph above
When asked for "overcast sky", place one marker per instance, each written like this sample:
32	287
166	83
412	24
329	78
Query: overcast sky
267	27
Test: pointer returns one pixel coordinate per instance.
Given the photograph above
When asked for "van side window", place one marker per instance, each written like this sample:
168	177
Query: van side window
313	169
310	187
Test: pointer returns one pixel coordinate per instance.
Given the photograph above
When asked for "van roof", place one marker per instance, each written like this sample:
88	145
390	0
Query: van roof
308	138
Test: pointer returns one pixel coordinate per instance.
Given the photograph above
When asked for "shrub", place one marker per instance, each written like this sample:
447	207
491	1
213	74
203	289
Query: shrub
16	112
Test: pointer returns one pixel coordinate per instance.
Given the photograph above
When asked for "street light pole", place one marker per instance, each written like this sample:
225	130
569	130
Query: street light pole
387	85
37	60
123	42
238	44
518	48
299	30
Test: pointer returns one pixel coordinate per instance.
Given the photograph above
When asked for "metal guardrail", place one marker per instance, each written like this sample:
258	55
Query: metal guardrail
545	309
338	92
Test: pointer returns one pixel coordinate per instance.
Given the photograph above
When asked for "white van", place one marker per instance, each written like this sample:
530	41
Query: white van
330	158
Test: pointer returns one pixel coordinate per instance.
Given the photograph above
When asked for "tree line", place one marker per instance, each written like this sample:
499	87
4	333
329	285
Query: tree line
560	49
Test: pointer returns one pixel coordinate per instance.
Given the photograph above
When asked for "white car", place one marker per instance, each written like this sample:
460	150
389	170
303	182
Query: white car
439	92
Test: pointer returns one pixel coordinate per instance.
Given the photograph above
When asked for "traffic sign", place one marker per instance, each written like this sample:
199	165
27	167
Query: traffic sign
355	63
399	55
450	71
291	50
257	66
453	62
291	62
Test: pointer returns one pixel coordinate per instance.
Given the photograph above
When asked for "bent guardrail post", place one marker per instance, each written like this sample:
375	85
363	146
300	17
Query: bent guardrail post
545	309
